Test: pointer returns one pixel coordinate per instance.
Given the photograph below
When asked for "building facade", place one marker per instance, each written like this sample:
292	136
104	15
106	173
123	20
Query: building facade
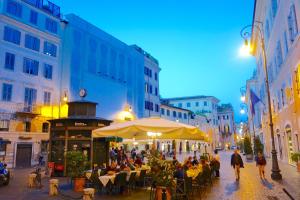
226	125
184	116
201	106
30	51
151	78
280	25
110	71
48	60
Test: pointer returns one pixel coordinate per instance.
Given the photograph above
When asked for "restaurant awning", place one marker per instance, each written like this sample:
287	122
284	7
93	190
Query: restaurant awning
148	128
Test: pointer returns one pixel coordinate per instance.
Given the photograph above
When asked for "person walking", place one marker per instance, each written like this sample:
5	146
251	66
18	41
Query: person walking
237	163
216	159
261	163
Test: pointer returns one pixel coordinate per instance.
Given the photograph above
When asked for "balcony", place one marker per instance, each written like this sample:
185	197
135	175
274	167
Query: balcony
46	6
28	111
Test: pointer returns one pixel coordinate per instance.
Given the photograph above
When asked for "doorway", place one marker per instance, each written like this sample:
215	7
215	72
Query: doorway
290	148
23	157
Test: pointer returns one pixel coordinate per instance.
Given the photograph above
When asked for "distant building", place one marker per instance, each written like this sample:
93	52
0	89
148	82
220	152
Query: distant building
226	125
201	106
30	73
184	116
151	77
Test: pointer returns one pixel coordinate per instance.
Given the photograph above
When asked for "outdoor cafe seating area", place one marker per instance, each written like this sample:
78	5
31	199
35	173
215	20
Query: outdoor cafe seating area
189	178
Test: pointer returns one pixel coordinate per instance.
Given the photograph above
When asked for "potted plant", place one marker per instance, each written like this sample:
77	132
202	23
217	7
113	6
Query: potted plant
77	164
248	148
296	158
162	173
258	146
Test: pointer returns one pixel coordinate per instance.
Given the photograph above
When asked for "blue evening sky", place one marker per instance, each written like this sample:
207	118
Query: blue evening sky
195	41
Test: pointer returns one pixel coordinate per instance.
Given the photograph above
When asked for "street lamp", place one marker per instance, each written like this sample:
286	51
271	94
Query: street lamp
246	34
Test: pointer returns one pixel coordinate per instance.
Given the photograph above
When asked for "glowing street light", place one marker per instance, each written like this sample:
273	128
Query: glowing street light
243	98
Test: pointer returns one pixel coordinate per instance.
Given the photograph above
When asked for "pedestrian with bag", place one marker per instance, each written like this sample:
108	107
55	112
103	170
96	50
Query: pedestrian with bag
261	163
237	163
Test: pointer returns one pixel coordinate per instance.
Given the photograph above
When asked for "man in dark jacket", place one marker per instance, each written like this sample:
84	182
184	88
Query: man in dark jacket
237	163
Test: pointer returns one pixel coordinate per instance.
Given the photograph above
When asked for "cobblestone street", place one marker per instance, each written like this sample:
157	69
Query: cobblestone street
250	187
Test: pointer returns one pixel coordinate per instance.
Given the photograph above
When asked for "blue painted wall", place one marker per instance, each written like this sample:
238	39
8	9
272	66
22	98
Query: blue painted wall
111	71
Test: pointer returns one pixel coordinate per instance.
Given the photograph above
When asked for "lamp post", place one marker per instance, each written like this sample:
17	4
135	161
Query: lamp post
246	34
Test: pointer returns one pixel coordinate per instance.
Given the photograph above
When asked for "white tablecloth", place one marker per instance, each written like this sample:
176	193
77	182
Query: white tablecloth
105	179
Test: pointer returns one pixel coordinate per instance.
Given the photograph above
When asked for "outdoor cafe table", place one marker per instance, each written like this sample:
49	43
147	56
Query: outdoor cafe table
106	178
194	172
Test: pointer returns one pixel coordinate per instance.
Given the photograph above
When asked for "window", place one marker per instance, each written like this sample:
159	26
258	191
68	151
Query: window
286	44
156	108
162	111
12	35
218	117
274	8
180	105
32	42
205	103
197	104
168	112
185	116
224	117
47	98
45	127
292	23
27	126
267	30
33	17
180	115
50	49
188	104
279	59
9	61
14	8
155	76
227	117
4	126
6	92
149	105
31	66
150	89
156	91
51	25
174	114
48	71
29	99
146	88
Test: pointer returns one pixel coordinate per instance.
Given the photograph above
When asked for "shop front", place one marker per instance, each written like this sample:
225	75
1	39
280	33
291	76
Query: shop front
75	133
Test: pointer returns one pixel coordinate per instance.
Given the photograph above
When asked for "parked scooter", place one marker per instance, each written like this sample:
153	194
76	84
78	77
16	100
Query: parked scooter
4	174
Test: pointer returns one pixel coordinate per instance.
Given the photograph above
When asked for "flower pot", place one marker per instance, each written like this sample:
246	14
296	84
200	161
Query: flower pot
298	166
249	156
159	193
79	184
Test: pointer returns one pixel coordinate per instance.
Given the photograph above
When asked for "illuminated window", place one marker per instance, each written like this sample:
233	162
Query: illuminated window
50	49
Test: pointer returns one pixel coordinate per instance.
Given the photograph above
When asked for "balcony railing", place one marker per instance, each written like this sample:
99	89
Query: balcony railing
46	6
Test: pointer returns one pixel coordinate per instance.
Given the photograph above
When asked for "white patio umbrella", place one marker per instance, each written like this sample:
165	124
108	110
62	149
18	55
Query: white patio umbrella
147	128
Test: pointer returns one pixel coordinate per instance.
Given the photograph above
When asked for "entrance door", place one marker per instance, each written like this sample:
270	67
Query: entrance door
23	158
290	148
